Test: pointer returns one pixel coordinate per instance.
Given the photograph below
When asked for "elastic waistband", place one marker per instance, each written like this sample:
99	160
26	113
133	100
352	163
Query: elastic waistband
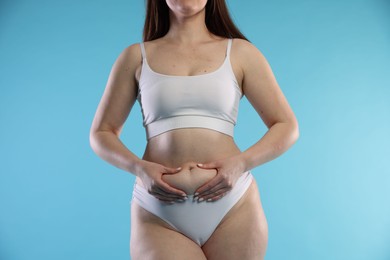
166	124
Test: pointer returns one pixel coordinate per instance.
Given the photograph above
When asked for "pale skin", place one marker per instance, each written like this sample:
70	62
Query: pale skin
190	49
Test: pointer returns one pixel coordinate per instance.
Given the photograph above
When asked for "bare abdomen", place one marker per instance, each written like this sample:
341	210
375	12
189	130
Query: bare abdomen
189	178
186	147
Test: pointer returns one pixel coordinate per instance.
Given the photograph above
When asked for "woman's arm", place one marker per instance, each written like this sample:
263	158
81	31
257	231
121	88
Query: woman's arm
115	105
114	108
263	92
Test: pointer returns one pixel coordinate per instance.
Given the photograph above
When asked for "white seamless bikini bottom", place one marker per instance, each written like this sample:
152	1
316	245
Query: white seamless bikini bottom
196	220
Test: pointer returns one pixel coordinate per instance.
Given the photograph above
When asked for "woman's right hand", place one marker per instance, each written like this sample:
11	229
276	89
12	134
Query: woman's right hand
151	175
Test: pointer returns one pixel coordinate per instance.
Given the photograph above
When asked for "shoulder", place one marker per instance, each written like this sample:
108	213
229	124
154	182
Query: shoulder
128	62
132	53
249	56
153	43
246	49
129	59
242	44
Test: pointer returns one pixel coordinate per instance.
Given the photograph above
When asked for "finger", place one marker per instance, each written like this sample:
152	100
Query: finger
165	201
169	195
215	198
165	194
160	195
208	185
171	190
170	201
218	193
171	170
210	196
213	189
212	165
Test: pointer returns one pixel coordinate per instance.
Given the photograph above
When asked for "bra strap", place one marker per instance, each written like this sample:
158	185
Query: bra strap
229	47
143	52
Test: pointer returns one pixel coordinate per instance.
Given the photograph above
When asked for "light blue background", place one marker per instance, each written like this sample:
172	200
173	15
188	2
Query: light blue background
325	198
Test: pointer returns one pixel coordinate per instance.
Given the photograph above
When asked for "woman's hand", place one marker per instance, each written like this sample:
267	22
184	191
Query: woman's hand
228	171
151	175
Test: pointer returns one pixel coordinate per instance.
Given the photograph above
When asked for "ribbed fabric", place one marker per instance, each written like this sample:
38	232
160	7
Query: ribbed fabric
207	101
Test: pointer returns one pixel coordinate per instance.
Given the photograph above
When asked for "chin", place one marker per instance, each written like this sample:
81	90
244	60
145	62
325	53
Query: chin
186	7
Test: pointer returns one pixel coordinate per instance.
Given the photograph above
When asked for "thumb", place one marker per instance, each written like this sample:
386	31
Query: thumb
171	170
211	165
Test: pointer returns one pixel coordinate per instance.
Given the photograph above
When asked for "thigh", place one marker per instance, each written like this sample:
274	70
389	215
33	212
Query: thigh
152	238
243	233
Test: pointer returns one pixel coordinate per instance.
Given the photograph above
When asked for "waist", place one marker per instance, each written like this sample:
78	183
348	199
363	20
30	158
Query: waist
187	147
177	147
191	177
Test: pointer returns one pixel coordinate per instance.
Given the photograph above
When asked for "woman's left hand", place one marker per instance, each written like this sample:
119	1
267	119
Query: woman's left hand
228	171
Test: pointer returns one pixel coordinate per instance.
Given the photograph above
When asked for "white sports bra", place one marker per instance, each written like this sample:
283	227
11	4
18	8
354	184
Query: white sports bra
204	101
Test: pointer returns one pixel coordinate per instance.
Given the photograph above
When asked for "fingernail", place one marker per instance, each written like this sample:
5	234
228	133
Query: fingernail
184	195
178	168
201	199
196	193
200	164
209	200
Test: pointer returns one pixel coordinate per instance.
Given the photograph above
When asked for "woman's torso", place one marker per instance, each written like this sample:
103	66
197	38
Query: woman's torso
187	146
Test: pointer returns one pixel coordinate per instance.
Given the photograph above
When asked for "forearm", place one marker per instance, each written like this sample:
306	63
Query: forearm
109	147
278	139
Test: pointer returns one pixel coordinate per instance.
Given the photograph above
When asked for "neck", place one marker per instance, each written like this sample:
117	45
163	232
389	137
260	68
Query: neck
188	30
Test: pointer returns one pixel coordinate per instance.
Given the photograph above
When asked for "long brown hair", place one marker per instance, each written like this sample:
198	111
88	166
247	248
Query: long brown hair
218	20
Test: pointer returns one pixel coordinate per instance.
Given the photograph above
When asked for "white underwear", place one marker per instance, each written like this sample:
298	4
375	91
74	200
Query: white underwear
196	220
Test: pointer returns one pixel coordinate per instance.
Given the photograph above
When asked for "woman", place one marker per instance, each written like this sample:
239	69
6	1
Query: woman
194	196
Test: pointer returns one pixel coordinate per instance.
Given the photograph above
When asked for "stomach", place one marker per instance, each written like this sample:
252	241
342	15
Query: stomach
189	178
185	148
